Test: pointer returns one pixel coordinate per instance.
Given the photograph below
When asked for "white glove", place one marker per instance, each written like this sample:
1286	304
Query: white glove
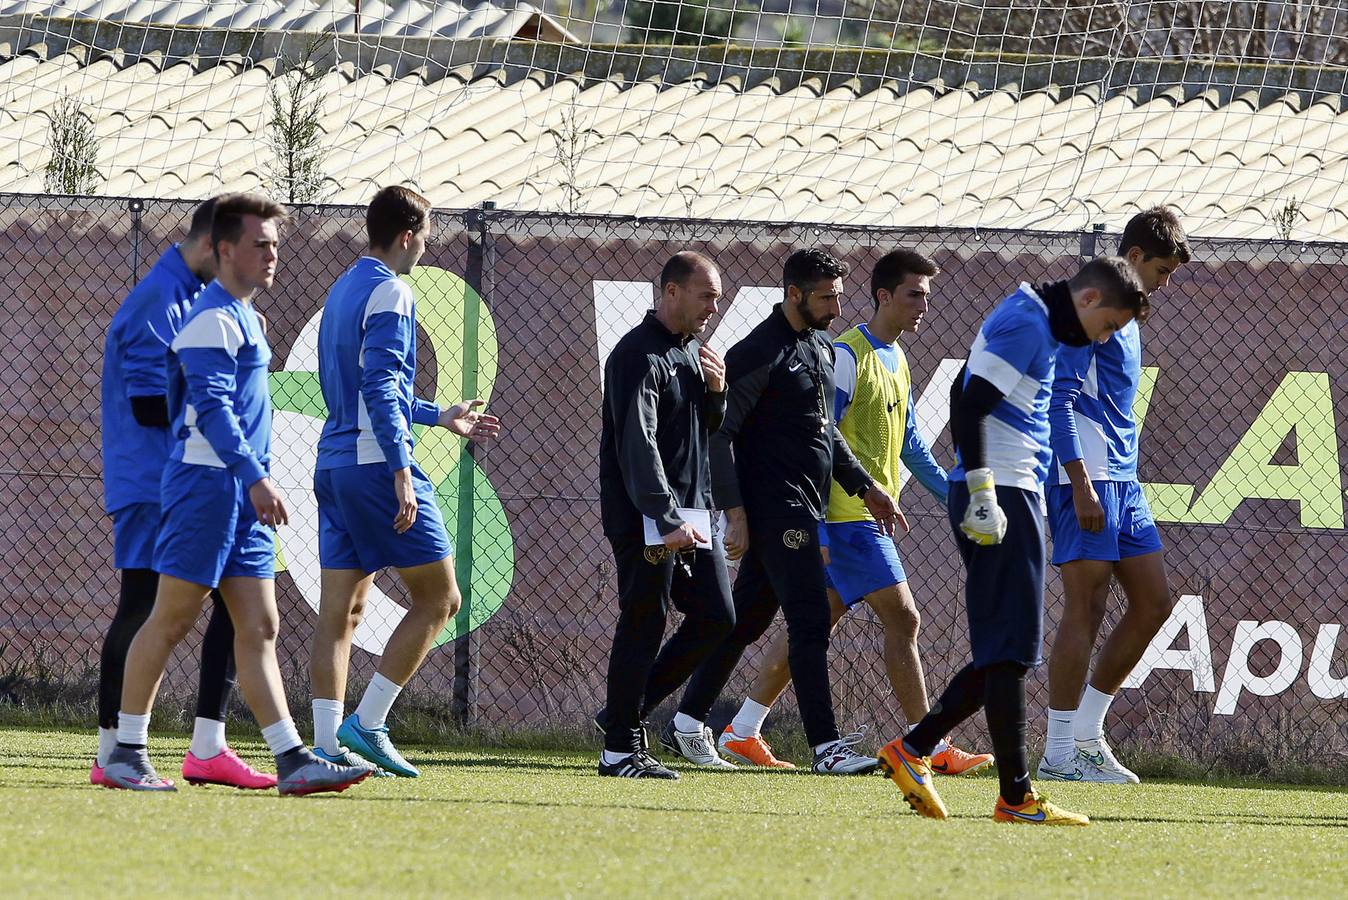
984	523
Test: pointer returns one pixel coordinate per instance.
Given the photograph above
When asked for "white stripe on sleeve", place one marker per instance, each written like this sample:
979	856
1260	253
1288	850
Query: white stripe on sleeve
393	295
213	329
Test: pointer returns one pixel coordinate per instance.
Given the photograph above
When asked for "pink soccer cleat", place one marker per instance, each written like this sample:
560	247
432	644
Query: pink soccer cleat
96	774
225	768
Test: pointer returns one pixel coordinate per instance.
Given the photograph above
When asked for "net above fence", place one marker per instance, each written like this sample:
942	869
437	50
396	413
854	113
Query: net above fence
1046	115
1241	452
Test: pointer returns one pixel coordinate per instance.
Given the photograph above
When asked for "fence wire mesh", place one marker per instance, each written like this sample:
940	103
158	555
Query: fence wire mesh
1241	454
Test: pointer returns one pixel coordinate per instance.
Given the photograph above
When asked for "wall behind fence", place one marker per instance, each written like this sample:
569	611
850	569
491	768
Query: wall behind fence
1243	403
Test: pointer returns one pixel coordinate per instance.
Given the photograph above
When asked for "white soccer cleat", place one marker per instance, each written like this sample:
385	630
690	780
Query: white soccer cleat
698	747
1097	763
1067	771
838	758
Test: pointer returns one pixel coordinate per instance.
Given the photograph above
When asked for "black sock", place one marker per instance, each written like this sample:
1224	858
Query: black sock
1005	709
960	700
126	746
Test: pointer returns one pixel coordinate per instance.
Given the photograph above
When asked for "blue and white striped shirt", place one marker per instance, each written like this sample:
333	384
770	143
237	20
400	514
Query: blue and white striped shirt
219	397
1015	352
367	361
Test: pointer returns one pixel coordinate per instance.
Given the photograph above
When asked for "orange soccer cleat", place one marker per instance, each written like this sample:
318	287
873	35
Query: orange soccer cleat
753	751
954	761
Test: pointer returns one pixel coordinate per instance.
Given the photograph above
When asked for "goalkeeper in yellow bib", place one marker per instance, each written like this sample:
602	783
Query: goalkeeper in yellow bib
874	411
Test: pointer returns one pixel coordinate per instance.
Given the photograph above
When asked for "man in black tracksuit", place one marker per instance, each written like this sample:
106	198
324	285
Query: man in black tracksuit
772	460
664	394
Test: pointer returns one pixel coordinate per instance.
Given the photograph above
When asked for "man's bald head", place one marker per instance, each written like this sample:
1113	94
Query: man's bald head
683	265
690	288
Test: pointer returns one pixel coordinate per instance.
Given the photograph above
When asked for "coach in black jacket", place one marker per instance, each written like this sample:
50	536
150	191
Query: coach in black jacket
771	464
664	394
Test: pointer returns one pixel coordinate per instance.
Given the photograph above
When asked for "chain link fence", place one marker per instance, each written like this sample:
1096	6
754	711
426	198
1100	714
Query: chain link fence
1242	398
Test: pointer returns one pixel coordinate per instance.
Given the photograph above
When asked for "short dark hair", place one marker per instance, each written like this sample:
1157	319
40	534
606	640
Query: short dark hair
1157	232
1117	282
202	219
896	265
806	268
393	210
227	223
681	266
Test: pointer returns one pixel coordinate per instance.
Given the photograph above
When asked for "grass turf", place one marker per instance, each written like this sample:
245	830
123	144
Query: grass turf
543	824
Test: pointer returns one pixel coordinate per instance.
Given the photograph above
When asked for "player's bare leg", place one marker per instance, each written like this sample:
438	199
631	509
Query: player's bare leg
1143	581
434	599
1086	595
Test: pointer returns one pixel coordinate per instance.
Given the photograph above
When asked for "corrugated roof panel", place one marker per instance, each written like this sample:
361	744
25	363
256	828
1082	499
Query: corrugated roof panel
405	18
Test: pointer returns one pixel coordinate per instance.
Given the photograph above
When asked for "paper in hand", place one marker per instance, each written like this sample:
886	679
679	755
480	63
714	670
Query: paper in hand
700	519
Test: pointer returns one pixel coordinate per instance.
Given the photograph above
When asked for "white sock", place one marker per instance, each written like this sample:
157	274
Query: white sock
941	746
208	738
107	739
1058	747
327	719
1089	725
609	758
133	730
687	724
378	700
281	736
748	722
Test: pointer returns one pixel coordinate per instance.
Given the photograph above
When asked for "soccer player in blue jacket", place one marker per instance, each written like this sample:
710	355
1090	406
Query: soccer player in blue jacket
1102	526
999	420
136	445
220	508
376	507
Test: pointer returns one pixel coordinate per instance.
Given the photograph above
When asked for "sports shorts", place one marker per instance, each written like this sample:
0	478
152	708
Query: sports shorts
135	528
356	509
209	530
862	559
1129	528
1004	586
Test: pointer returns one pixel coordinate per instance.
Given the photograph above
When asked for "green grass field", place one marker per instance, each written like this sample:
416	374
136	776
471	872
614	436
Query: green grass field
544	825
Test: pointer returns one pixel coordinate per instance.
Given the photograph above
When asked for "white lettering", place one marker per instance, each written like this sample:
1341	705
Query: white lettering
1189	617
1238	674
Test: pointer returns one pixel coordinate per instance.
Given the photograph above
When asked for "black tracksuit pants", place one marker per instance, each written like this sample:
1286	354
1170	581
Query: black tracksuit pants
641	673
782	567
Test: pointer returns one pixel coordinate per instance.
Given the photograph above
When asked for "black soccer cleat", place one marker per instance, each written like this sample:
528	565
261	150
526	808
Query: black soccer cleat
638	765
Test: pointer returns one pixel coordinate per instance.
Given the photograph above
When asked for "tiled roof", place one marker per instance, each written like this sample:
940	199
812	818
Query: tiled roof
845	151
408	18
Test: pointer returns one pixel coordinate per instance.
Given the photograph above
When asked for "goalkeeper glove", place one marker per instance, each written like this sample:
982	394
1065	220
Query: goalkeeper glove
984	523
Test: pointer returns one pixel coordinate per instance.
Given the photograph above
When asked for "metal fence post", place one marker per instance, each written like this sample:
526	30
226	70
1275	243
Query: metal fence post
136	207
1088	247
481	258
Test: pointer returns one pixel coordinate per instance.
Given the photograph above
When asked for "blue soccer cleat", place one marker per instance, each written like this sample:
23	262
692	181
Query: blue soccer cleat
373	744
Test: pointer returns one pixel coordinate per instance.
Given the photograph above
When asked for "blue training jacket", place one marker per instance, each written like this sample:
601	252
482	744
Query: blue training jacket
367	362
1091	410
135	364
219	398
1015	351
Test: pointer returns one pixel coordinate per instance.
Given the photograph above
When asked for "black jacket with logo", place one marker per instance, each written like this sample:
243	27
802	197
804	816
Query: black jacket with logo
779	446
658	416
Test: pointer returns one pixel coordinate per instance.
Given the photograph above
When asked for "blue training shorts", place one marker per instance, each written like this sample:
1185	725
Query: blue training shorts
356	508
862	560
1129	528
1004	587
134	531
209	530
